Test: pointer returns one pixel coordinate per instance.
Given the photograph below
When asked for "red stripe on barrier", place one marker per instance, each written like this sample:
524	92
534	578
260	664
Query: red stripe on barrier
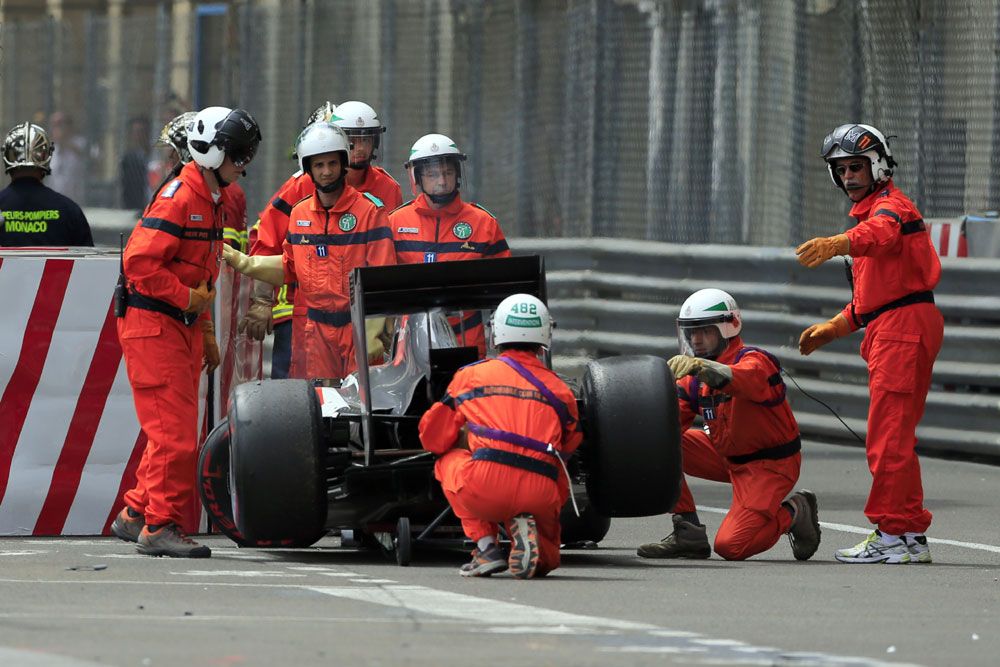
34	349
128	481
963	245
943	243
82	429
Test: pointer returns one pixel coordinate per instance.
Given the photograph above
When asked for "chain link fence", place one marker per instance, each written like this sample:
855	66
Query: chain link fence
687	121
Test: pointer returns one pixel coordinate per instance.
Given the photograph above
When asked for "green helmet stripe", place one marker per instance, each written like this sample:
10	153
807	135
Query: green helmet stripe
719	306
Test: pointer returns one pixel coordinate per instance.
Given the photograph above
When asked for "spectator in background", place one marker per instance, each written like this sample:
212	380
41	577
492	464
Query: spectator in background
70	158
32	214
134	165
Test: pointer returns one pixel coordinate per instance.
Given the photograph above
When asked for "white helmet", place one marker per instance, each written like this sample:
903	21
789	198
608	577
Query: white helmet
27	145
358	119
318	138
855	139
521	318
433	146
432	149
708	307
220	131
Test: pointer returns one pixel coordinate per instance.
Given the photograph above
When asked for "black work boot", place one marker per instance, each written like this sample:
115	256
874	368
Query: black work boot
687	541
804	533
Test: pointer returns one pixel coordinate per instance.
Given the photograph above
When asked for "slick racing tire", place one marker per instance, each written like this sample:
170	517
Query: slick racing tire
278	461
632	436
213	486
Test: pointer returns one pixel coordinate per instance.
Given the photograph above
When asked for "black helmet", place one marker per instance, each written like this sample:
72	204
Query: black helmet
854	139
217	132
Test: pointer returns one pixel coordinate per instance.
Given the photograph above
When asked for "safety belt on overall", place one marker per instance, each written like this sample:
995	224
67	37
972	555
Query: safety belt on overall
519	440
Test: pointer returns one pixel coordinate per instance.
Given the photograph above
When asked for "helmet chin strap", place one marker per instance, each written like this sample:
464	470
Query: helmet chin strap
223	183
332	187
443	199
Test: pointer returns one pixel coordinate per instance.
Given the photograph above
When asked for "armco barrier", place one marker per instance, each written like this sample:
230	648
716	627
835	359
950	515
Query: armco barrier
622	297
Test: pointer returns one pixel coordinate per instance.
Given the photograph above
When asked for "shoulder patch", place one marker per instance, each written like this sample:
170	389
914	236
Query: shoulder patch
484	209
171	190
373	199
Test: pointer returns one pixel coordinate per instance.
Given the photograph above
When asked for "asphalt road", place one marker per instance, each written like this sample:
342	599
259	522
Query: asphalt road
75	602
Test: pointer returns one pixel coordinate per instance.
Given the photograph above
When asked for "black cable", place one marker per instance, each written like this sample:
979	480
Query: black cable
832	411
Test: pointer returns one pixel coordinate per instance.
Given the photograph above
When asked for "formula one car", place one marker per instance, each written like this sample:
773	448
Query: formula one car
296	458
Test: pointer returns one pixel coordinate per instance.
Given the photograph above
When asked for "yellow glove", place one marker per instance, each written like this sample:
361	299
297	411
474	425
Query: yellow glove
374	329
814	252
267	268
712	373
200	298
210	348
257	322
820	334
682	365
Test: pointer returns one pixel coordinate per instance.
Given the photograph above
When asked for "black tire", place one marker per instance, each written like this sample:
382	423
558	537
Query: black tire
278	462
404	542
633	440
590	526
213	486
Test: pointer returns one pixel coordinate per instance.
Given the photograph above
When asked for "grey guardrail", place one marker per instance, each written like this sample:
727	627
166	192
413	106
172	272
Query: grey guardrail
622	297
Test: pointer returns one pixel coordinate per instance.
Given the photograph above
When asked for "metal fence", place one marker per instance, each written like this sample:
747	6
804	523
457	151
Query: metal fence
614	297
691	121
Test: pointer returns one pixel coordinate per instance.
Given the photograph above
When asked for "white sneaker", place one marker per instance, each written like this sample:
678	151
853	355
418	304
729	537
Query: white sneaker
873	550
917	546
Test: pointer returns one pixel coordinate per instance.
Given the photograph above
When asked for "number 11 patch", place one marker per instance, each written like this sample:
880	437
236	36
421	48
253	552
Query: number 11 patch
321	251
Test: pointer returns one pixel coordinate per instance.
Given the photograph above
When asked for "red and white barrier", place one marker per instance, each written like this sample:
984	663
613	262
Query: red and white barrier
69	438
949	238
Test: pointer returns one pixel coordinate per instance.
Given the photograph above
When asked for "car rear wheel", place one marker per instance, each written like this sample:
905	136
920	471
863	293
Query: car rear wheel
633	442
213	486
278	462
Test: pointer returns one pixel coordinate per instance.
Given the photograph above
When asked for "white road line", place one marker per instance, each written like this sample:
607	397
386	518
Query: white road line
464	609
238	573
31	658
457	605
22	553
847	528
145	618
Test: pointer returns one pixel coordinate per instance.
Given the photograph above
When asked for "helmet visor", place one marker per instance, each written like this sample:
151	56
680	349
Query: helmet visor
438	176
702	337
243	153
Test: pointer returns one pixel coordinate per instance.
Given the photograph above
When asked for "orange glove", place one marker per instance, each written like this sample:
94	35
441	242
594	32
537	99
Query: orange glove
200	298
819	335
814	252
210	348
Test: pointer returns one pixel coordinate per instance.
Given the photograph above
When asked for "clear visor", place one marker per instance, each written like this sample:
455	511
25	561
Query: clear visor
438	176
700	339
364	145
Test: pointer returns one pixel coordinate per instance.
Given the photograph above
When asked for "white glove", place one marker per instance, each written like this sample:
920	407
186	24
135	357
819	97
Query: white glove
712	373
267	268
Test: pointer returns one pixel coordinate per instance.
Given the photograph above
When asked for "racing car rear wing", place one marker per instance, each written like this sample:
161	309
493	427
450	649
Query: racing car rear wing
475	284
478	284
